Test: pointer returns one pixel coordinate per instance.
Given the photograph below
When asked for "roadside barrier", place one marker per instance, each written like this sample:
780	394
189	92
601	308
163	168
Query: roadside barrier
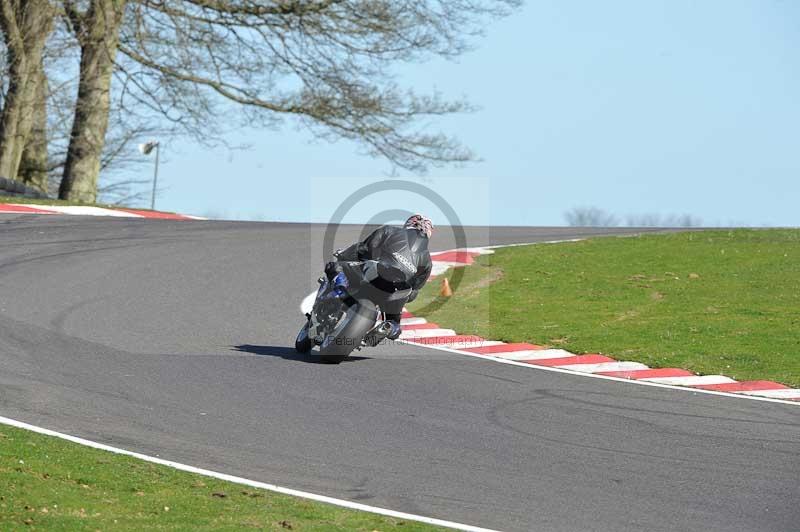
10	187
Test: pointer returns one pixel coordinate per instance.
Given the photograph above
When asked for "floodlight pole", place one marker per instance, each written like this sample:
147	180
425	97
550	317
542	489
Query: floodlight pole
155	180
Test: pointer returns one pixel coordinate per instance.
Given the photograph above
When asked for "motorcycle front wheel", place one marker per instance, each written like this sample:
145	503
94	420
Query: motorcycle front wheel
303	343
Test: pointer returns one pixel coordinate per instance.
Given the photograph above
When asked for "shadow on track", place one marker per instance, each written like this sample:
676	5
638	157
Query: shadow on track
287	353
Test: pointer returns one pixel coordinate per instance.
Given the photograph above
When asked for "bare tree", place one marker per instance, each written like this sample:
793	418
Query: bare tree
325	63
44	152
33	169
590	217
595	217
26	25
119	154
97	30
51	103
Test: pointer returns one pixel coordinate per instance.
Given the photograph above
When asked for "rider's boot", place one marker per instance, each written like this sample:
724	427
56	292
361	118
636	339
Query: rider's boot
394	321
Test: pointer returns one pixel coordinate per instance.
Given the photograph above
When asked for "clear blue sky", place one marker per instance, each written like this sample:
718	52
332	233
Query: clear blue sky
668	107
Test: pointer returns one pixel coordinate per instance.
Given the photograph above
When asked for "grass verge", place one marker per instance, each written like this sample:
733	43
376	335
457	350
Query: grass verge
713	302
52	484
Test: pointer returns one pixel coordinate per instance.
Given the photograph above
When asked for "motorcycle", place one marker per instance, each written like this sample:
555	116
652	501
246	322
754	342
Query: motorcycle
347	314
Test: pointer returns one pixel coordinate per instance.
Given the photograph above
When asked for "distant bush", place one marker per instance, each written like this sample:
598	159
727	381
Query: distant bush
596	217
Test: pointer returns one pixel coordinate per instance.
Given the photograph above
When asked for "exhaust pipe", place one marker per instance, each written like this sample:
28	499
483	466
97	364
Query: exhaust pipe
377	334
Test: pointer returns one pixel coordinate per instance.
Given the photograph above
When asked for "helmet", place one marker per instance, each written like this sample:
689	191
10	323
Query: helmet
421	223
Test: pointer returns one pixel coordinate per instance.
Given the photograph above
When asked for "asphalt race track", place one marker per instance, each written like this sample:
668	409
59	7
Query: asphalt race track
176	339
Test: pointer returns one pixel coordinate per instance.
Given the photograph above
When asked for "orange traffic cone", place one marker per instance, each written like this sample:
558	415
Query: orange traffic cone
445	291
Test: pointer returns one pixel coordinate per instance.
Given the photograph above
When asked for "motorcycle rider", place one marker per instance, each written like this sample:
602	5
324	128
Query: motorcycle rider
393	245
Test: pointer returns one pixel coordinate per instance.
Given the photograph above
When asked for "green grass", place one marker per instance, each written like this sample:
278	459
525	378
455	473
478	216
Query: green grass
713	302
48	483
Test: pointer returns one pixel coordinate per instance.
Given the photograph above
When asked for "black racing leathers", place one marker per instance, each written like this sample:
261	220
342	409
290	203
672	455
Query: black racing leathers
408	248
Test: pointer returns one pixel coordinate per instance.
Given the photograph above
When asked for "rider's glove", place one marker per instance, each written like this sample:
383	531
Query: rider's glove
330	270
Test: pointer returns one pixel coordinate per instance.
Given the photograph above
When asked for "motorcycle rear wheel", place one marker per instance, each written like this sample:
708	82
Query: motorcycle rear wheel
360	319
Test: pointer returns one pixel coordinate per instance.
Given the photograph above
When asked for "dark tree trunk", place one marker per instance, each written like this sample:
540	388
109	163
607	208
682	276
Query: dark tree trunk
99	38
33	165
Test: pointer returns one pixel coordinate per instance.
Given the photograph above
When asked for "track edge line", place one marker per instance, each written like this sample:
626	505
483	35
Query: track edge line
244	481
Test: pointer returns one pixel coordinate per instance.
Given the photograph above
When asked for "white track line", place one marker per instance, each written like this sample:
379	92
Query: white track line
639	382
539	354
410	334
244	481
458	344
782	393
89	211
498	246
480	250
439	267
605	366
413	321
694	380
